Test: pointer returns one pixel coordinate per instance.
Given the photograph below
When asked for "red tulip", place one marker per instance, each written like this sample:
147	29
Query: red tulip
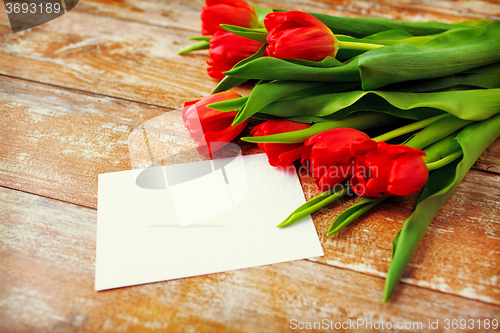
212	129
329	155
280	154
232	12
384	170
298	35
226	50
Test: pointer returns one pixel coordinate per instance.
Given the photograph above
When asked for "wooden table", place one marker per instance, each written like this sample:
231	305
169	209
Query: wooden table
71	92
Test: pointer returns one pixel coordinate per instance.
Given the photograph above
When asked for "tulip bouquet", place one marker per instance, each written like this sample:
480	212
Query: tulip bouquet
323	80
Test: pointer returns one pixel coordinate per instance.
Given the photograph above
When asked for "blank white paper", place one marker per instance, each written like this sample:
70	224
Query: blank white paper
216	219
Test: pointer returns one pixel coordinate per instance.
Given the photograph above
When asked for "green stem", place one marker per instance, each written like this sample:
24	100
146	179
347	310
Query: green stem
203	45
444	161
408	128
358	46
308	208
437	131
200	38
442	148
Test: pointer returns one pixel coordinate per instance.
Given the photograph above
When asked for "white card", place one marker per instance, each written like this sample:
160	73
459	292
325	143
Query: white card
197	218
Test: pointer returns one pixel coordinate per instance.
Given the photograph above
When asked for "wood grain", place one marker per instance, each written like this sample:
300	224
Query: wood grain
132	61
108	75
47	259
55	142
185	15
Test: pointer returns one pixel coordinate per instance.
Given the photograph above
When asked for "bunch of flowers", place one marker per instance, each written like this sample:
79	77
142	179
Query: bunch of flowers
323	80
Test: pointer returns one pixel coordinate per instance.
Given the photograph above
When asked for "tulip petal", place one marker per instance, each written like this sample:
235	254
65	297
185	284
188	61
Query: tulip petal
211	142
298	35
226	50
236	12
397	149
186	108
290	156
362	146
335	175
407	175
332	147
292	19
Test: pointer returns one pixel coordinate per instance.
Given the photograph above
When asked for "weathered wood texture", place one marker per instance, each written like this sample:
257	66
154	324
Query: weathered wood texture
132	61
185	14
47	259
55	142
114	75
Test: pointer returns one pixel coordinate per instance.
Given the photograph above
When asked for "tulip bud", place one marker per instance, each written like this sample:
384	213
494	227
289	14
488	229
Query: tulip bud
329	156
226	50
384	170
212	129
298	35
232	12
280	154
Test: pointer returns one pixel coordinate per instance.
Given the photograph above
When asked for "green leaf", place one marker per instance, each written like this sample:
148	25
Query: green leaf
451	52
261	13
361	27
359	121
393	35
325	63
473	139
268	68
265	94
227	83
477	104
442	149
481	77
390	37
304	119
230	82
352	213
230	105
195	47
255	34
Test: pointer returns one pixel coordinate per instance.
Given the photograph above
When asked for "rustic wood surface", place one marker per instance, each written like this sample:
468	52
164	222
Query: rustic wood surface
74	93
48	267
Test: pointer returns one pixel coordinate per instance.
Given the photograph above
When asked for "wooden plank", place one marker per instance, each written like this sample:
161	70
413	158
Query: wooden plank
55	142
181	14
46	285
488	161
129	60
